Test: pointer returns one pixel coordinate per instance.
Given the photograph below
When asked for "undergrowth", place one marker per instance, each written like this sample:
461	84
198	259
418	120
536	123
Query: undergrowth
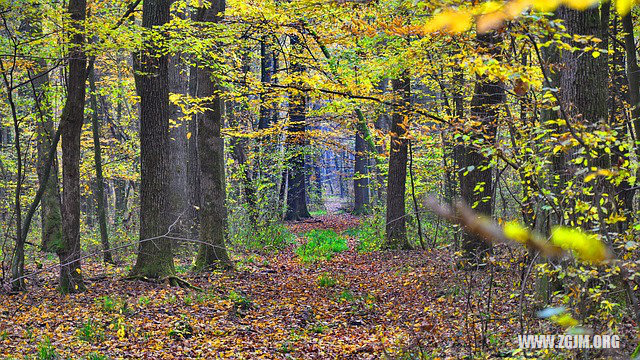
321	245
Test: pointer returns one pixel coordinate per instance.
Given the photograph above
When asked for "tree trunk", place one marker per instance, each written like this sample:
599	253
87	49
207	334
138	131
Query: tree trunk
155	256
360	178
396	230
476	181
297	182
178	153
71	123
633	80
266	72
193	163
100	185
583	96
213	213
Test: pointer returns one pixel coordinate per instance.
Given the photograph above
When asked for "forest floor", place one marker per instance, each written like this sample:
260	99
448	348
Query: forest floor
353	306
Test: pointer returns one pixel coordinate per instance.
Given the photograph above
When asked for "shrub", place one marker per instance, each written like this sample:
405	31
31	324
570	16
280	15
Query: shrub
370	234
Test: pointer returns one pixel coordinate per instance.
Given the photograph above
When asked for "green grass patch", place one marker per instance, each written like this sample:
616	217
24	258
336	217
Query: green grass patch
46	351
318	212
321	245
325	280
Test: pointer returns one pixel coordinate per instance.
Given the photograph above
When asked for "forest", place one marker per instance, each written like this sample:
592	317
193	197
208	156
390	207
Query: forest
319	179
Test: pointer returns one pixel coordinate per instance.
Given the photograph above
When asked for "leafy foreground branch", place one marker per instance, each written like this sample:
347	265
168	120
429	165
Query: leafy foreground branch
586	247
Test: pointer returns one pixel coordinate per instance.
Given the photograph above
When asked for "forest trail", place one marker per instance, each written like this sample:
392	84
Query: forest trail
356	305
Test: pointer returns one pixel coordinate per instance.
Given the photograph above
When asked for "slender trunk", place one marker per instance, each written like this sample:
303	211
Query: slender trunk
17	263
416	210
71	123
360	177
50	208
396	230
213	213
266	72
100	185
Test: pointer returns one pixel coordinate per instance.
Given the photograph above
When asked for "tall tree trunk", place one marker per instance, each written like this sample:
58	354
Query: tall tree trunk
633	80
71	123
583	94
100	185
360	177
476	181
193	162
297	182
266	72
155	257
396	229
178	152
213	213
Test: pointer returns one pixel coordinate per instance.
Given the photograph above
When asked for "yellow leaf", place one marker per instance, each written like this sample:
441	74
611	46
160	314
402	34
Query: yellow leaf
452	21
580	4
189	135
595	54
546	5
565	320
586	247
516	232
624	6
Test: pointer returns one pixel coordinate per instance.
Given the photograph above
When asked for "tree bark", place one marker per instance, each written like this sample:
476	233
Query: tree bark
360	178
297	182
476	181
213	213
396	230
584	97
155	257
178	147
100	184
266	73
71	123
193	163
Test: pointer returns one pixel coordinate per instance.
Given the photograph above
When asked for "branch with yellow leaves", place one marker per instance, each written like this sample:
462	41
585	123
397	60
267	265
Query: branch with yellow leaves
584	246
